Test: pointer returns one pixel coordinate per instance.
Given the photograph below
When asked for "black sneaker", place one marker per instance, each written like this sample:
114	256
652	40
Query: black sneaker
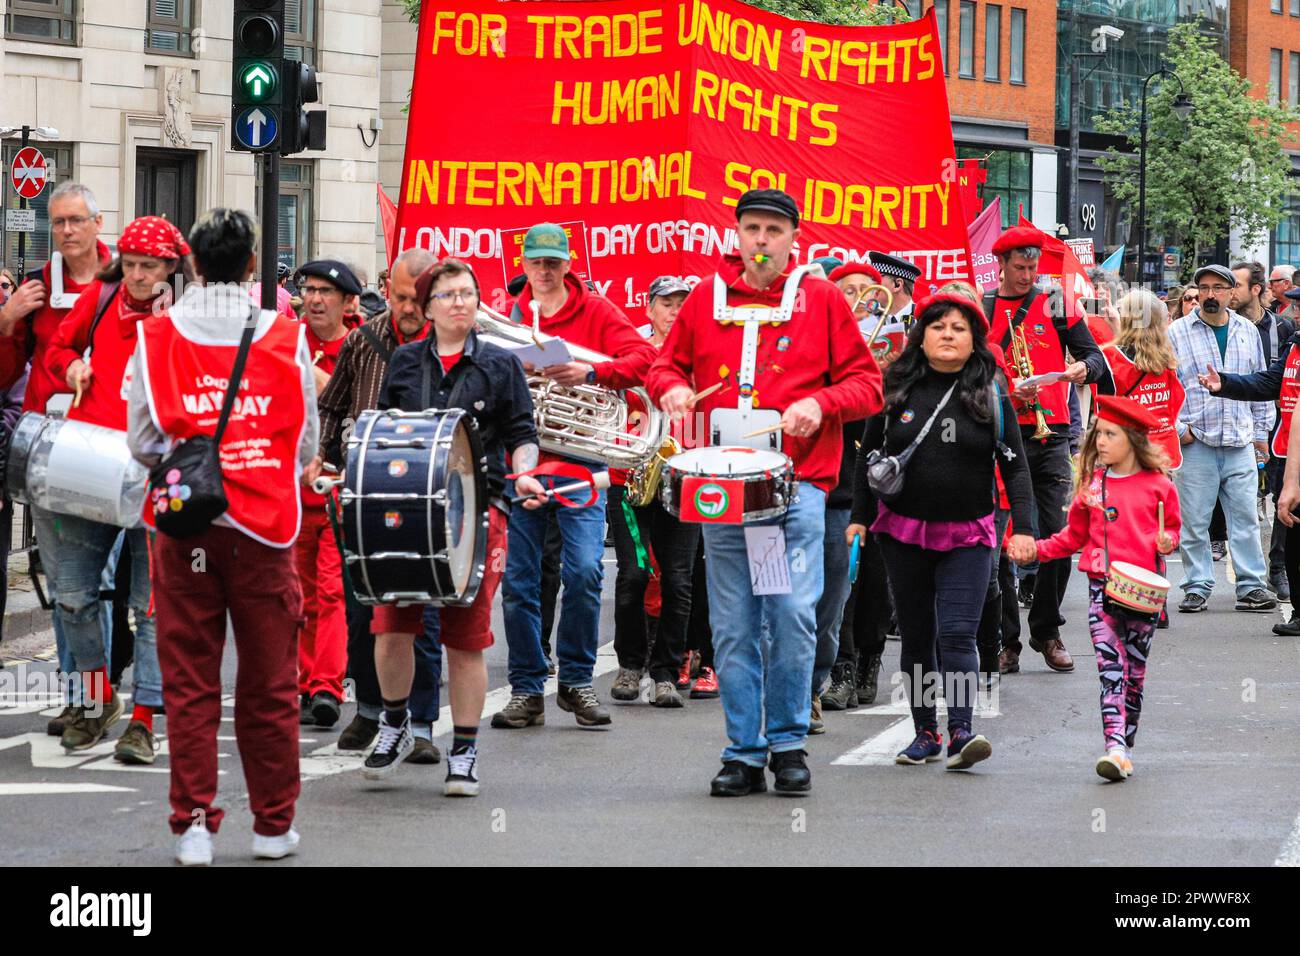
1025	592
1219	549
792	773
325	709
395	745
359	734
1192	603
305	715
1257	600
461	778
736	779
1289	628
583	703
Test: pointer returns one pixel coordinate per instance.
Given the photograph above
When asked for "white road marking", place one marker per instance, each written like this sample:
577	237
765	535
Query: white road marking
1290	853
47	789
881	749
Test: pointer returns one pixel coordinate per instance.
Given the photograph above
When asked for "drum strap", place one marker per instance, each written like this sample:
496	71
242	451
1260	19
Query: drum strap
106	293
634	527
376	343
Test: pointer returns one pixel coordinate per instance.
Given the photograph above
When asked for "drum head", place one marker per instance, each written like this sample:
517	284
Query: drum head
1140	575
462	511
26	431
728	460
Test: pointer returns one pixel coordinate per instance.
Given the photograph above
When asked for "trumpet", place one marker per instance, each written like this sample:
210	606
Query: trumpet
1025	367
583	421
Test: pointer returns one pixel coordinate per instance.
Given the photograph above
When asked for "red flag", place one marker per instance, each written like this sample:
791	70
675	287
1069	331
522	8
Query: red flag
388	219
713	500
984	231
970	176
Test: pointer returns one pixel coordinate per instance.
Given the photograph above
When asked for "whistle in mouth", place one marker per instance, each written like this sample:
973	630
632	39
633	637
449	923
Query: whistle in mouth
760	258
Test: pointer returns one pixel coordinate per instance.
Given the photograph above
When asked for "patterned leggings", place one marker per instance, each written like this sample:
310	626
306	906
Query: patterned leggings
1122	647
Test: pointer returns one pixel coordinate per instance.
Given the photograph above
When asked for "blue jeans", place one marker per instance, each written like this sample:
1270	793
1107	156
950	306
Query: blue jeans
835	595
1230	475
82	549
581	574
43	523
763	647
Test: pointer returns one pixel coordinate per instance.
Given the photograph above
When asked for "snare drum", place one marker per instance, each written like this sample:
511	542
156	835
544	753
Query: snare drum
75	468
414	508
728	485
1136	591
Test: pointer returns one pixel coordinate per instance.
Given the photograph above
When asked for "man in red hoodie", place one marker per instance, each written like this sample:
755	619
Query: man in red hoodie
789	345
568	310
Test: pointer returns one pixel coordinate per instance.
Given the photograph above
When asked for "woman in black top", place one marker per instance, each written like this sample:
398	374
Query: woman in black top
938	536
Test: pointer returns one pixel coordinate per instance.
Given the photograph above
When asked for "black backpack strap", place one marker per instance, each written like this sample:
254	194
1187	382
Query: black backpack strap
241	359
376	343
106	293
1019	317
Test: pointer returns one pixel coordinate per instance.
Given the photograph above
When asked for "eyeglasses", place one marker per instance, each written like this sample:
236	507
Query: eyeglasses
6	285
76	222
1190	298
1214	289
461	295
321	290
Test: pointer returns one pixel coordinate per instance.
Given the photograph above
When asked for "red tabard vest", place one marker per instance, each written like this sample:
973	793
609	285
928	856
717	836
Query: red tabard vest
1161	394
259	450
1046	353
1287	400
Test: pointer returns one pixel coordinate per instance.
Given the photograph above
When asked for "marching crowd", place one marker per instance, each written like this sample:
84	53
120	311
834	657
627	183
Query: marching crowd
943	480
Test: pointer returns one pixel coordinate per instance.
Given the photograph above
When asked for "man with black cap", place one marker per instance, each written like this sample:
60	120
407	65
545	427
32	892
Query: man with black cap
1219	439
325	285
787	346
1051	326
899	277
563	306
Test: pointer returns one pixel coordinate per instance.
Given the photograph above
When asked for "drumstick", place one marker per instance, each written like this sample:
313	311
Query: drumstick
690	402
764	431
320	354
599	481
1160	515
76	402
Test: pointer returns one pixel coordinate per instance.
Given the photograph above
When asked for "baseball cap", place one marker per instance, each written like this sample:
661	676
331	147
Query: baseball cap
546	240
667	285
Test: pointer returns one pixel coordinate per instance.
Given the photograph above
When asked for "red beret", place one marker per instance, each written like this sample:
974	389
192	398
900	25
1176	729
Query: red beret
855	269
1018	237
1125	412
972	310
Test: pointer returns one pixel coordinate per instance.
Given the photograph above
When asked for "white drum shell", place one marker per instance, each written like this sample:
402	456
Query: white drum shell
76	468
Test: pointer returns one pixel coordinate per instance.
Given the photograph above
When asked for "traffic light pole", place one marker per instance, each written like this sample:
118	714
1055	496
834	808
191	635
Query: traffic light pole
270	226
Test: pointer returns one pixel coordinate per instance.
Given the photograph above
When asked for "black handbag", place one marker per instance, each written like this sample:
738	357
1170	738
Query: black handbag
886	473
185	488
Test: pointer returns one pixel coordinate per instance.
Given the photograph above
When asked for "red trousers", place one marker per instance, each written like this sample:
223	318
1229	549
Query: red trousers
323	644
195	582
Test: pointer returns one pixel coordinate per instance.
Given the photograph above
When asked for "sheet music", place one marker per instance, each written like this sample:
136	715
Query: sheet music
769	571
552	351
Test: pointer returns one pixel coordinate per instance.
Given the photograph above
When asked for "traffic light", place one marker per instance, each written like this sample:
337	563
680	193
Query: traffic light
302	129
257	83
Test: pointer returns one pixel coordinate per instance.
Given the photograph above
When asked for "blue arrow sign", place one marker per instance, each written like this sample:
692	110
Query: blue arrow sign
256	128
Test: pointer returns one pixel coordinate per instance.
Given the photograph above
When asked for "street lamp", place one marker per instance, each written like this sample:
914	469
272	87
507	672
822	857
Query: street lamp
1182	109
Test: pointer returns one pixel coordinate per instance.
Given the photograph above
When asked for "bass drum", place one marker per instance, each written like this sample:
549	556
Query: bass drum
75	468
414	508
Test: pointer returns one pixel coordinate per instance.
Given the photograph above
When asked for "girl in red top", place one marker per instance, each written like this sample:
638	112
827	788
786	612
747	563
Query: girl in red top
1123	480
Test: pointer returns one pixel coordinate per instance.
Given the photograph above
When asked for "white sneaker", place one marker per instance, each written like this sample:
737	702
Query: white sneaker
275	847
194	846
461	779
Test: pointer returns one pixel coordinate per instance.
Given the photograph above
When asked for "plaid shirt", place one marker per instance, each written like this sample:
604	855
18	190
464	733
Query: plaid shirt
354	385
1219	422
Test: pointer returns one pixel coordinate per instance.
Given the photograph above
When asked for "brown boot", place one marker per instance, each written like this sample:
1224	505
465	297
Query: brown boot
1054	653
1009	661
815	725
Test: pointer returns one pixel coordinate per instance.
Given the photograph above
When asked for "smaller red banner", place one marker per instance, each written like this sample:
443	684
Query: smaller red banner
713	500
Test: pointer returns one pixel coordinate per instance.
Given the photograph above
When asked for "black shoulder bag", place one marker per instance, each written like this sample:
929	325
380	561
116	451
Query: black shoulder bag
196	465
886	474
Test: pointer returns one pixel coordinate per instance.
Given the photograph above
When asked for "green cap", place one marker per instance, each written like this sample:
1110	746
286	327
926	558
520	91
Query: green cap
546	240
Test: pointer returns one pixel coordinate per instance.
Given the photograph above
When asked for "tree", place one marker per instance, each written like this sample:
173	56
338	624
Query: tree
837	12
1225	168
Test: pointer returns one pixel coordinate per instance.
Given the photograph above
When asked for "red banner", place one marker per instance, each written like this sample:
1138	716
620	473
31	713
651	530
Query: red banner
644	123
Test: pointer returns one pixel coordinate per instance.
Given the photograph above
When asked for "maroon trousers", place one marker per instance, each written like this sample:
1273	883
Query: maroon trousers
196	581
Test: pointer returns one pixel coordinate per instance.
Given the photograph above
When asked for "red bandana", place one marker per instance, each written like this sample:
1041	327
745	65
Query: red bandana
153	236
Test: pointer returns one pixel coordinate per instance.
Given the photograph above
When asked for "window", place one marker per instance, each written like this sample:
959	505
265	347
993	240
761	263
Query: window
913	8
1017	45
993	42
294	237
169	28
1286	236
1010	176
1274	76
966	26
1275	6
1293	80
51	21
300	30
941	23
38	242
1295	8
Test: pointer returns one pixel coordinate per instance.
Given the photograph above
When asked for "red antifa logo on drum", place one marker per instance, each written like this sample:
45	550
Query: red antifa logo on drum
714	501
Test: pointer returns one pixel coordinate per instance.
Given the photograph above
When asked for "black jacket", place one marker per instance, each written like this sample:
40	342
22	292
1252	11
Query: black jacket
487	382
1265	386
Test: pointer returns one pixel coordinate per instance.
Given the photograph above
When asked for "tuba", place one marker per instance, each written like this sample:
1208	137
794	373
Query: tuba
589	422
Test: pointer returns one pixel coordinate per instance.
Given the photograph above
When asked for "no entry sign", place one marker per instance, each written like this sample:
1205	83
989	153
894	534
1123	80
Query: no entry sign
29	172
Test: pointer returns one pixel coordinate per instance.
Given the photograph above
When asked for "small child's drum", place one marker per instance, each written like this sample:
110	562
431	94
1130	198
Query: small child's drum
1137	592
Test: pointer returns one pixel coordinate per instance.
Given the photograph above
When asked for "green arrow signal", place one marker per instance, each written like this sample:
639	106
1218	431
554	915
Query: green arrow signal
258	81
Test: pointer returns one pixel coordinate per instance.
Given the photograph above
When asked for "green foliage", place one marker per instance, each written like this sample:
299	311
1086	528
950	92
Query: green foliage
837	12
1225	168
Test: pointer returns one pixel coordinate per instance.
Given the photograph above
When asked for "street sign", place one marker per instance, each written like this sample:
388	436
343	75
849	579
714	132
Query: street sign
1171	260
29	172
256	128
20	220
